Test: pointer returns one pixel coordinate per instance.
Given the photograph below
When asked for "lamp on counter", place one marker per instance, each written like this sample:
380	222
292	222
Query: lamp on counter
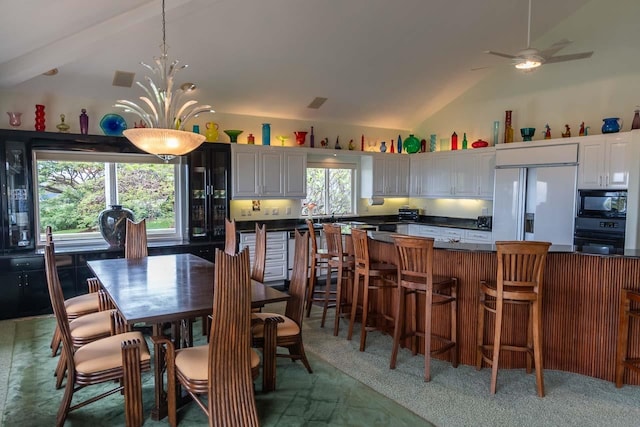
164	135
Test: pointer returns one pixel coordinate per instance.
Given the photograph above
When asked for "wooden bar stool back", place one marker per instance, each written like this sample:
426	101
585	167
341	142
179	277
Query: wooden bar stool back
343	264
378	279
519	281
415	276
319	258
627	312
260	254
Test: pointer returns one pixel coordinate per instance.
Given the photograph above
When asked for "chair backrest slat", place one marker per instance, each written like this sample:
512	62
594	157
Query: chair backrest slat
415	258
333	236
230	239
259	254
361	248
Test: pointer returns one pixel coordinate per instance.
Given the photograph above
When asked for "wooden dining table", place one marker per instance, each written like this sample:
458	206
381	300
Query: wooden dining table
157	290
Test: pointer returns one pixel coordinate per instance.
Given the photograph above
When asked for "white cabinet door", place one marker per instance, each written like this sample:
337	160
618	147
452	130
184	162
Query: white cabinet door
592	165
419	167
245	174
295	176
617	162
604	162
440	182
464	174
402	177
485	163
272	166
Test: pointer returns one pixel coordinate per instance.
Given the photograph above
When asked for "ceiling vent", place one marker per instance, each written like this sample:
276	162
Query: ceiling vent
123	78
317	102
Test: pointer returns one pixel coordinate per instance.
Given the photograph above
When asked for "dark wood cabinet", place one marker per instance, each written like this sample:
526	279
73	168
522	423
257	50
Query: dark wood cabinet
17	195
209	185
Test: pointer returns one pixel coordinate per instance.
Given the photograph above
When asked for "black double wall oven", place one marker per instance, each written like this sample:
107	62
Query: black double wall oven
601	221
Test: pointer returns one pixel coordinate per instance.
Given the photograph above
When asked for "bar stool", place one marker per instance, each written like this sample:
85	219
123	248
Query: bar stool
377	277
519	281
415	276
319	258
626	312
343	263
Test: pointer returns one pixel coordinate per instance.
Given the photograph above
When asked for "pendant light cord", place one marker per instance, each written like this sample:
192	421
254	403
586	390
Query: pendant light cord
528	27
164	31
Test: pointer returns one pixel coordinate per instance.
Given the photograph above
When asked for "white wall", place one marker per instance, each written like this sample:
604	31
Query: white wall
605	85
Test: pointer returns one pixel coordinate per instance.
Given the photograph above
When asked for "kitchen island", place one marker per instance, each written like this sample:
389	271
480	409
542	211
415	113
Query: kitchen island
580	305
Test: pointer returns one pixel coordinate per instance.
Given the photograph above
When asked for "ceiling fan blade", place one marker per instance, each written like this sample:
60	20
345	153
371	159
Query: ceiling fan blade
547	53
504	55
478	68
570	57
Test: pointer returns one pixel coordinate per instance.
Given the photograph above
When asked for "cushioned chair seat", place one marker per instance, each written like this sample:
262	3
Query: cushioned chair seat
106	353
193	362
86	303
286	329
91	325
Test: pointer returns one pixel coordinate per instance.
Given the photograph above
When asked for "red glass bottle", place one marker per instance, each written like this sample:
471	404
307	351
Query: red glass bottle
454	141
392	150
40	118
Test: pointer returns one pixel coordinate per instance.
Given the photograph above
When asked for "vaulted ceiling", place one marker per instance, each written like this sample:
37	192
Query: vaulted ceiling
379	62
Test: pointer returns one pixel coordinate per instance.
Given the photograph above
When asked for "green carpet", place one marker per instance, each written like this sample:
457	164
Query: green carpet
326	397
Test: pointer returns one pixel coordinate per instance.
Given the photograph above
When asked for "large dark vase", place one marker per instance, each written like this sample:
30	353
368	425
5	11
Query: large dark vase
113	225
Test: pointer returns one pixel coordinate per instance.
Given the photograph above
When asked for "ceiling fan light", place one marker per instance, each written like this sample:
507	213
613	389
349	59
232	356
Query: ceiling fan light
528	64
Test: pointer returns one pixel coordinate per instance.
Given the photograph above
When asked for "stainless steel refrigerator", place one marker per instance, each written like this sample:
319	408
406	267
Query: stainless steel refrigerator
535	203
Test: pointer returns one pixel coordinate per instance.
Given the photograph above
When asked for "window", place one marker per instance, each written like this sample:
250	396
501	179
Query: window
73	188
330	189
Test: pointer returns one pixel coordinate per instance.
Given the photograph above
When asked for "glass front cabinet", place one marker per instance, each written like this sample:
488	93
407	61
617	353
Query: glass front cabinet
209	184
17	194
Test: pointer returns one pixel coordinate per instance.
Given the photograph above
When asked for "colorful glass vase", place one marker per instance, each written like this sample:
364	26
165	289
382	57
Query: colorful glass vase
301	137
40	118
383	147
454	141
432	142
266	134
14	119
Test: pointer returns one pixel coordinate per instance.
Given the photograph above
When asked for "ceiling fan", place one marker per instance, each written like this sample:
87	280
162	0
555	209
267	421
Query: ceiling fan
530	58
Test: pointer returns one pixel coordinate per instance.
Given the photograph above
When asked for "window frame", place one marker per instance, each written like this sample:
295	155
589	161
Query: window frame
333	163
95	238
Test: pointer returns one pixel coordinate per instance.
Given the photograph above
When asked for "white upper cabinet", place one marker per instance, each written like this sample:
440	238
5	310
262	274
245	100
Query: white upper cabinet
267	173
603	162
384	175
454	174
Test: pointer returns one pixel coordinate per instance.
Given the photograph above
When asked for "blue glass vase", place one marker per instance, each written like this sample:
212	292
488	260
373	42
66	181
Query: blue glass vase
266	134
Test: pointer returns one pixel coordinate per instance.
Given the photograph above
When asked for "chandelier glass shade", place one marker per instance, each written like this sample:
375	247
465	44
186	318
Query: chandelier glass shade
162	110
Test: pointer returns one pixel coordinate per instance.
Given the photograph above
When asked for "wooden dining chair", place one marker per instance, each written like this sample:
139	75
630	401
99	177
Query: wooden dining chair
260	254
224	368
84	329
120	357
319	258
230	237
135	245
289	326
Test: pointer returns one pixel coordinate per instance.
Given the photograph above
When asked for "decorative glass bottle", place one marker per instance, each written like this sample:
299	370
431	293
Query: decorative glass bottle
636	120
508	130
399	144
496	130
266	134
432	143
62	126
251	139
464	141
454	141
40	119
383	147
113	223
84	122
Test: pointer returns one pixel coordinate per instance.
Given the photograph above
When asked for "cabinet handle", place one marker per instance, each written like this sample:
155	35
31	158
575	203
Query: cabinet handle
607	180
600	181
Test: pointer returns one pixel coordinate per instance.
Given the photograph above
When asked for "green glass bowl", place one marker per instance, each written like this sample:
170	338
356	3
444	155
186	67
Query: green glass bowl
233	134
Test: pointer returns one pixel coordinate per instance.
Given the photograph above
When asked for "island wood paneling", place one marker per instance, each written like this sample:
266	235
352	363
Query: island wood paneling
580	309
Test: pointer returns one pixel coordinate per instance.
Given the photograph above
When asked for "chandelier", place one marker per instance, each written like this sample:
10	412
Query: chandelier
164	116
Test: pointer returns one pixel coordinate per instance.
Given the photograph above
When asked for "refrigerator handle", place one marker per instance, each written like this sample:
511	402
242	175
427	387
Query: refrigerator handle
529	220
